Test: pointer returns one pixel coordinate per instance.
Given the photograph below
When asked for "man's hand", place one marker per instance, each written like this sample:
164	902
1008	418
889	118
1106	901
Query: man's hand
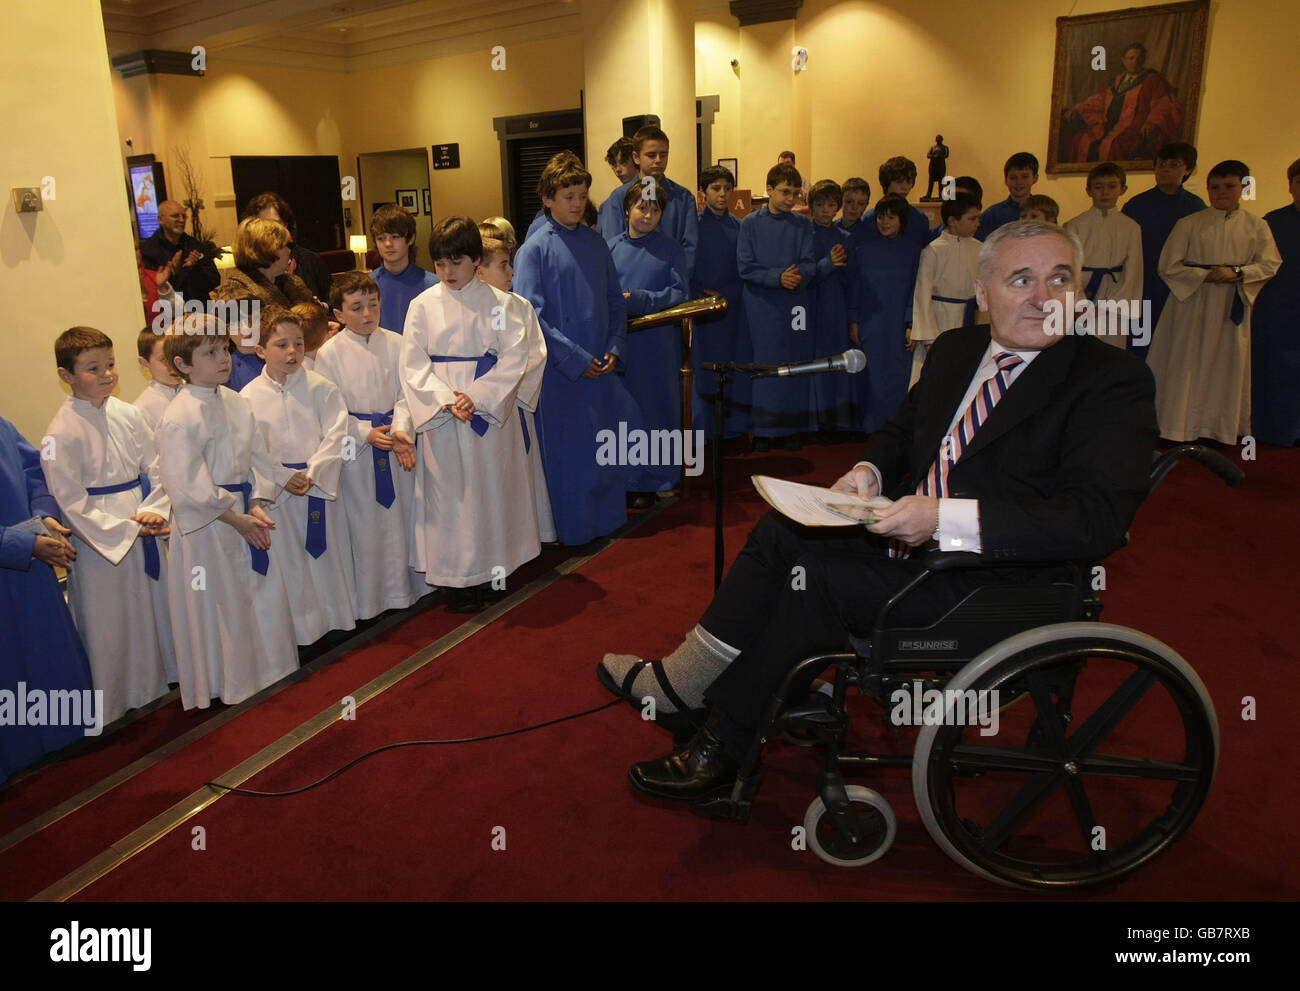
854	335
839	257
404	448
790	278
299	485
53	551
859	480
378	437
194	256
912	519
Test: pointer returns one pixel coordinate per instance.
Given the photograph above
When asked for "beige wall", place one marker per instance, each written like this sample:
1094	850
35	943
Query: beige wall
74	263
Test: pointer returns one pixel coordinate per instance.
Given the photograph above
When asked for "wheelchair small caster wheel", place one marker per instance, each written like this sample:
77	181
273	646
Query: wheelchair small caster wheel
871	816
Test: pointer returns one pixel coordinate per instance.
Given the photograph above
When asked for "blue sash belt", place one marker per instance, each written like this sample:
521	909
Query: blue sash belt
260	560
1238	311
476	422
968	315
384	494
315	516
151	562
1099	273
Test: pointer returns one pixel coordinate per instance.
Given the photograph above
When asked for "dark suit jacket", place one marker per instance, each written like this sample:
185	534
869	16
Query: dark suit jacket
192	281
1061	464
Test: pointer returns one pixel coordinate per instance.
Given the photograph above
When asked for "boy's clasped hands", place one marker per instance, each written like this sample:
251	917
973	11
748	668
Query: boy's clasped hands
383	439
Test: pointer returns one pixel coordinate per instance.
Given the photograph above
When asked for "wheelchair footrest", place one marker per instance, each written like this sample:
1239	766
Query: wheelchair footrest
736	803
815	717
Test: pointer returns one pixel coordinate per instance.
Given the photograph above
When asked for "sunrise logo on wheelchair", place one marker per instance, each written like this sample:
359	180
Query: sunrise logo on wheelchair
1103	318
921	706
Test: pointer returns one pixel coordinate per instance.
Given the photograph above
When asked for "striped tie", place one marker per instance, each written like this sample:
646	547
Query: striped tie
935	481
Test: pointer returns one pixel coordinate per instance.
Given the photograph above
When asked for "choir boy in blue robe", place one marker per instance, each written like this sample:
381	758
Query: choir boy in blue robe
681	221
566	272
727	339
245	365
42	651
897	177
540	220
835	394
399	279
652	271
1156	211
881	308
621	158
1275	354
857	197
1020	173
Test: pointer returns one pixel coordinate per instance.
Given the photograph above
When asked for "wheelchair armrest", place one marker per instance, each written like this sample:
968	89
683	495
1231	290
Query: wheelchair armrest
947	560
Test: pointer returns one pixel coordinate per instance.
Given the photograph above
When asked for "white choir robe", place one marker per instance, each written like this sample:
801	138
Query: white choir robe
232	627
1109	240
305	420
154	401
1202	364
530	390
120	611
476	516
309	362
947	268
367	371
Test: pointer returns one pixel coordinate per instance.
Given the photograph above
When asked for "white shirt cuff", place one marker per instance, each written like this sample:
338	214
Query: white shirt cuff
959	525
880	485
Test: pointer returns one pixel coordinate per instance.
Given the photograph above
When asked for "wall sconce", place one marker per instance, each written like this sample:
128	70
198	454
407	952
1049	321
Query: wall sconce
359	245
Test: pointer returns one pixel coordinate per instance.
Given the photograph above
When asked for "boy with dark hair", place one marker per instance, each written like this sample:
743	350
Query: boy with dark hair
1040	208
619	158
718	274
680	221
881	308
464	359
399	279
856	193
944	297
776	252
1156	211
539	221
835	396
364	360
1215	262
229	609
1275	345
565	271
897	177
1020	173
1112	250
164	383
101	468
962	184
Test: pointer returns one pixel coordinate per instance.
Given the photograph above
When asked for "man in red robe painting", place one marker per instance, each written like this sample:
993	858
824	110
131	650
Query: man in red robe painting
1128	120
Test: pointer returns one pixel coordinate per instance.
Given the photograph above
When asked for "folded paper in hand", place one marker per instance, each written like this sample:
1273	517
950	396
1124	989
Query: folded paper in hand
813	505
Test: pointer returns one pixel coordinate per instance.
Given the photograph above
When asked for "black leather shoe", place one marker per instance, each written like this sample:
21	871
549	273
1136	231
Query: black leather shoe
701	769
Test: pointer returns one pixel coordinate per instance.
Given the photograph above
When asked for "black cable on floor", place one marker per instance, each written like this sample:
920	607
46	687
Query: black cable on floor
407	743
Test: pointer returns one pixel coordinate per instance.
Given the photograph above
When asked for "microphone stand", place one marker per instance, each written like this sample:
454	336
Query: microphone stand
722	374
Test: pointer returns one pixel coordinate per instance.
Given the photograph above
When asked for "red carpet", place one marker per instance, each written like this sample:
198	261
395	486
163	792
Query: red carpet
1203	574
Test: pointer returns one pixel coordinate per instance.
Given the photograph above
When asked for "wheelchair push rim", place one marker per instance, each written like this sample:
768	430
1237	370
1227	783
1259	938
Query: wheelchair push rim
1078	800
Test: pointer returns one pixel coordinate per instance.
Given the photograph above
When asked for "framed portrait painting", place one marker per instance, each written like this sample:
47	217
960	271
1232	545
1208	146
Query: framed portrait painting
409	200
1126	82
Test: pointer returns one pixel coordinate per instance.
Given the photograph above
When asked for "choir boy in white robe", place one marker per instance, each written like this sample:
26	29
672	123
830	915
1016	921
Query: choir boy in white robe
495	269
100	466
229	608
1215	263
163	382
315	322
944	296
465	353
1112	254
304	422
364	360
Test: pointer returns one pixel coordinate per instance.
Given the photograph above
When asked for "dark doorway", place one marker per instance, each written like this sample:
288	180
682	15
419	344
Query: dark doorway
527	144
309	182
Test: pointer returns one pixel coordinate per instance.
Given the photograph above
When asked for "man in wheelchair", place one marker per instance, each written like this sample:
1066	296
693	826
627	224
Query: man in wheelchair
1016	444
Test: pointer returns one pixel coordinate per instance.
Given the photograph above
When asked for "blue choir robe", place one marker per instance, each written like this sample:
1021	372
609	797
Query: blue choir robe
856	231
917	232
652	270
780	320
935	231
680	221
244	368
1156	213
569	277
42	651
1006	212
725	339
397	291
881	305
1275	339
836	398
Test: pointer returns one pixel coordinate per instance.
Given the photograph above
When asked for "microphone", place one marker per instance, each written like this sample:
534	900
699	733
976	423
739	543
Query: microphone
851	361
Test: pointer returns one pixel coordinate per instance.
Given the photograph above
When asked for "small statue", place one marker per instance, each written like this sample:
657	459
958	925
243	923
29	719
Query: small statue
938	156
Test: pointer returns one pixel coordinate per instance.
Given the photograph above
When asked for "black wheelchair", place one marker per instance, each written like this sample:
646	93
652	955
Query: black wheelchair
1103	747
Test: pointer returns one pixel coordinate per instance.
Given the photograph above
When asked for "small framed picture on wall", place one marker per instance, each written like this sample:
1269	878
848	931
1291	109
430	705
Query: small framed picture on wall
730	165
428	202
409	200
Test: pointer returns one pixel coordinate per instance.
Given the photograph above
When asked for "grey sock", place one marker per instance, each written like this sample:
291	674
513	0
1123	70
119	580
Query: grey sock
690	669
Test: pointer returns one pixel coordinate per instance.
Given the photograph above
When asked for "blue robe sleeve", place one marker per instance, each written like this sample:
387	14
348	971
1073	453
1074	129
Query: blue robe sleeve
747	259
690	237
531	278
610	219
808	256
642	300
617	343
16	546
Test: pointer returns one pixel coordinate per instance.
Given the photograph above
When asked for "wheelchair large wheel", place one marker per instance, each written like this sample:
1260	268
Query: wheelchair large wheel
1103	766
872	815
